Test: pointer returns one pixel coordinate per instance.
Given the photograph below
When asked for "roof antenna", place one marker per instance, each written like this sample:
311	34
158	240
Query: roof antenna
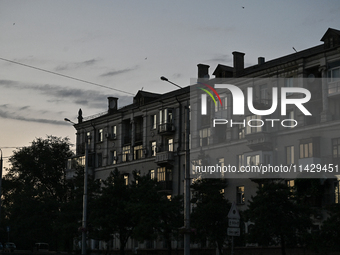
294	49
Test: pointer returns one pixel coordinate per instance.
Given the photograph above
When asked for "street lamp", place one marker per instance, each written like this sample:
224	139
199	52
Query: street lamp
186	178
83	227
166	79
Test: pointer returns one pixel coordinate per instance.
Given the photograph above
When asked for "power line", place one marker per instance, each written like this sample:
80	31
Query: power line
65	76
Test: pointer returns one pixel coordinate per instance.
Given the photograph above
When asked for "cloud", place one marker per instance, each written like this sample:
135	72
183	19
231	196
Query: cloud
10	113
221	58
76	65
116	72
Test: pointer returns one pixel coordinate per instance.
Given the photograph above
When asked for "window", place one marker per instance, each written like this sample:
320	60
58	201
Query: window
290	155
126	153
113	157
334	74
253	124
240	160
264	94
220	162
336	147
100	135
289	82
165	116
337	192
126	179
114	132
309	148
153	121
290	183
253	160
138	152
99	160
152	174
170	144
306	150
161	171
153	148
204	136
240	199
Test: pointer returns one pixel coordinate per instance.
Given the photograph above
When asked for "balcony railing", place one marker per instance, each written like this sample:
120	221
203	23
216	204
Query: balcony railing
164	157
166	128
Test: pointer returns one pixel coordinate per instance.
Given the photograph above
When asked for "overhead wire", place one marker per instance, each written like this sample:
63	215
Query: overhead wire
65	76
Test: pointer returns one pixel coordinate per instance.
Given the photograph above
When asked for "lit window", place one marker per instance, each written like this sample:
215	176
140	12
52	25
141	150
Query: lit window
153	148
137	152
113	157
290	183
306	150
170	144
254	124
240	199
161	171
240	160
204	136
126	179
126	153
152	174
114	131
253	160
100	135
153	121
290	155
337	192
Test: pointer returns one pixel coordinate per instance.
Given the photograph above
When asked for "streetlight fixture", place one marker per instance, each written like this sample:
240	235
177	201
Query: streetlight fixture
166	79
83	227
186	178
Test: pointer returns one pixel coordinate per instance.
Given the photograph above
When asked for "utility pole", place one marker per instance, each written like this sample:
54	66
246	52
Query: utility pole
187	184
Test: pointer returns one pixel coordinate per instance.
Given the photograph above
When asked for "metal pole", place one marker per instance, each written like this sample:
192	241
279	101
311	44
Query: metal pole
83	235
187	186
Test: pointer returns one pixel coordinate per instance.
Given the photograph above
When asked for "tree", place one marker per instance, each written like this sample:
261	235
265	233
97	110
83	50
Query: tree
115	210
210	213
34	190
278	216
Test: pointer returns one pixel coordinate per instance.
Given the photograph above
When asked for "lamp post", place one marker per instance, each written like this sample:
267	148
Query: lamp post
83	226
186	178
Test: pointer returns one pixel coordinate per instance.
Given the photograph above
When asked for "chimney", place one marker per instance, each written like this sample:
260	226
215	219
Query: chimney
113	104
260	60
238	62
203	71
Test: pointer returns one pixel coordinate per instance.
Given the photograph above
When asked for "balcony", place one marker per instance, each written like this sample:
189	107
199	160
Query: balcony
164	157
166	128
259	141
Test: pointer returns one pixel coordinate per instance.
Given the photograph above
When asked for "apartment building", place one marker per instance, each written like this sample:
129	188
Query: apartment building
149	135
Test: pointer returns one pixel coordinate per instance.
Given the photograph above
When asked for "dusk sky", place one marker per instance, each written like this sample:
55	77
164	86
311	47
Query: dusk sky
124	46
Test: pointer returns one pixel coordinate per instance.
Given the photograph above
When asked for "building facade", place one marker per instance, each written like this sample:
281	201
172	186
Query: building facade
149	135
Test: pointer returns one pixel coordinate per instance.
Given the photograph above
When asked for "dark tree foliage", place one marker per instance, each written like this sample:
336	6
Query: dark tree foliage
34	190
115	210
210	213
138	210
278	217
